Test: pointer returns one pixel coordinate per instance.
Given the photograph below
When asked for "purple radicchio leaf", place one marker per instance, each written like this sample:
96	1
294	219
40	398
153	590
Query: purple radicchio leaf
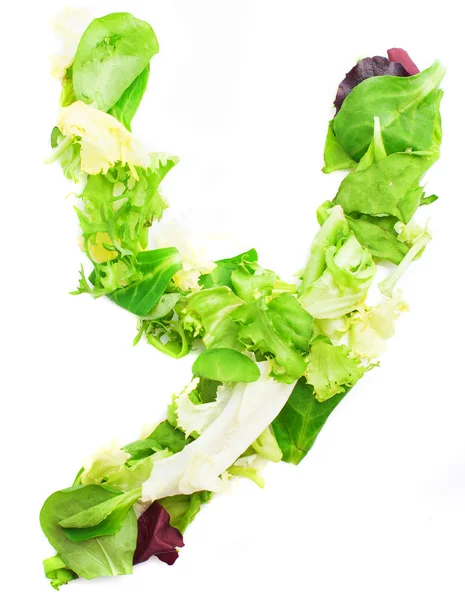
364	69
400	56
156	537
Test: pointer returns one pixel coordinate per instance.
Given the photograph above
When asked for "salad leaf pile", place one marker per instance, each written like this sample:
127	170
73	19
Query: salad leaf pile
273	359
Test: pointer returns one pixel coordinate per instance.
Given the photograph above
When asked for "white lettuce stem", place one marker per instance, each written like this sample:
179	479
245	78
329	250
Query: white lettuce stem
248	411
387	285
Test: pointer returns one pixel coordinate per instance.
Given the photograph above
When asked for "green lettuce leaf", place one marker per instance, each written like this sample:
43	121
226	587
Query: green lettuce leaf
333	229
344	284
104	518
251	285
112	53
222	274
118	209
336	158
388	187
331	369
377	234
277	330
226	365
97	557
369	328
157	268
133	474
301	420
136	284
125	109
213	308
407	108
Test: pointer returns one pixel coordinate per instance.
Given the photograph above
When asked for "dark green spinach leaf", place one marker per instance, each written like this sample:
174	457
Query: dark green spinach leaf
301	420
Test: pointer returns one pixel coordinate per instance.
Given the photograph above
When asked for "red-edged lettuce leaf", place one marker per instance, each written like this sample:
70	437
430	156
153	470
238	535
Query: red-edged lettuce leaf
364	69
399	55
156	537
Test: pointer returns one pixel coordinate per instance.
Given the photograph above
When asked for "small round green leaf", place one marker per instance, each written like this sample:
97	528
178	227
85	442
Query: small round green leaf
226	365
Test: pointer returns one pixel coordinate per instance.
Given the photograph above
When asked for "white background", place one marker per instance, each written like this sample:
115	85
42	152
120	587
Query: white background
242	92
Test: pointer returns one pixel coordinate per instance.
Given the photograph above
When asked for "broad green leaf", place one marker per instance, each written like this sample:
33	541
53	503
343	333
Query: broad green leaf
388	187
97	557
98	513
126	107
290	321
109	526
381	241
301	420
157	268
226	365
406	107
113	51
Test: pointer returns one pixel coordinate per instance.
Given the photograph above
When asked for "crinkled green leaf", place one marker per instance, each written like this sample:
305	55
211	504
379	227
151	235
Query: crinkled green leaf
344	283
258	333
121	209
332	231
331	369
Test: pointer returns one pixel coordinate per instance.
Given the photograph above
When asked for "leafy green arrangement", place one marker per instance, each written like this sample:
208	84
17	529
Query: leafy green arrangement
273	358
